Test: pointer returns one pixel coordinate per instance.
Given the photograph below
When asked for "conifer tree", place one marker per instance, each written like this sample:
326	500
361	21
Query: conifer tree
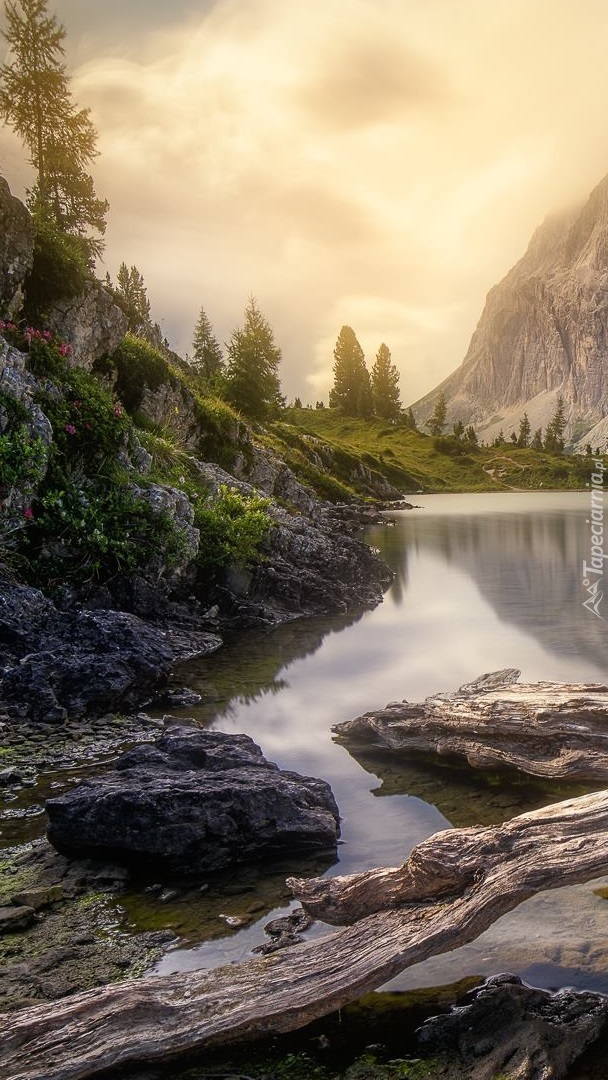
35	100
207	359
537	439
385	386
132	296
252	379
523	439
351	393
437	420
411	420
554	436
458	429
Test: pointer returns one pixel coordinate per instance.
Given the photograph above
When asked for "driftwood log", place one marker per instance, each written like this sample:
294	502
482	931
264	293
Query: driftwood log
545	729
453	886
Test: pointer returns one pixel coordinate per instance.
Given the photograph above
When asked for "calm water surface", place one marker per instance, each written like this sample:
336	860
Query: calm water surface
482	582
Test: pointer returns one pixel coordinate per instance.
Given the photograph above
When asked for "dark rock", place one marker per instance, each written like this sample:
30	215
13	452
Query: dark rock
177	699
285	931
17	232
15	919
195	801
62	665
513	1030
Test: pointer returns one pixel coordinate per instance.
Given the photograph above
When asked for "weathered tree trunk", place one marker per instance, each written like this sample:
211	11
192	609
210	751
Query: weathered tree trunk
550	730
453	886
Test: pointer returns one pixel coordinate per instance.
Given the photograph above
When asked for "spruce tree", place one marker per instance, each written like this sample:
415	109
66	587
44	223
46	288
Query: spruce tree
207	359
351	393
35	100
554	437
523	439
537	439
385	386
437	420
252	379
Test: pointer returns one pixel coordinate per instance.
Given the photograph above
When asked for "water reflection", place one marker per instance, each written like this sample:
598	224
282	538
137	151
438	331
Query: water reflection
482	582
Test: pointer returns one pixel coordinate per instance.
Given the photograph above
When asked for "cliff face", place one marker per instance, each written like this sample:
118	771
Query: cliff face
543	333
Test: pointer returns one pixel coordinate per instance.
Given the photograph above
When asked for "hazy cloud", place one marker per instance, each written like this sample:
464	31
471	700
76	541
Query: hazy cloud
375	162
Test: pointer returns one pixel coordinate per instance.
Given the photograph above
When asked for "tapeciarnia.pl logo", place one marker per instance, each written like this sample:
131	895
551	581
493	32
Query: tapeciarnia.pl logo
593	571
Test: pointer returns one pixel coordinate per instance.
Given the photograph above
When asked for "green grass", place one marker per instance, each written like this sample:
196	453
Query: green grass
413	461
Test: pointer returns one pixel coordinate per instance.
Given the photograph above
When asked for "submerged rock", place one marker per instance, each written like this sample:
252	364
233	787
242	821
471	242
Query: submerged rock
193	802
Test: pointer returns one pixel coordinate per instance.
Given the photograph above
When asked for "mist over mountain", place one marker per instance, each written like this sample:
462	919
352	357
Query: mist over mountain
543	333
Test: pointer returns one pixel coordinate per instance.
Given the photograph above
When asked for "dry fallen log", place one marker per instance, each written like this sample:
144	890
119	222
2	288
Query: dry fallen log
545	729
453	886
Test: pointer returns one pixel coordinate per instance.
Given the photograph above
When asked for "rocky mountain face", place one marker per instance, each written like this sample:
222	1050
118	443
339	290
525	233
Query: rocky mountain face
543	333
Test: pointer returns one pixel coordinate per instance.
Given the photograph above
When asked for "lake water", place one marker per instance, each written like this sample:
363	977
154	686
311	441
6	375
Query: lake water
482	582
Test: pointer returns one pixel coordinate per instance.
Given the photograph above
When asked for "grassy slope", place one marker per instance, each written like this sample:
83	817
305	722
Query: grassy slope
411	461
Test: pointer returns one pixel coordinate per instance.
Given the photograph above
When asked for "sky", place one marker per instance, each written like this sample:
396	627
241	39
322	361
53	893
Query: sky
376	163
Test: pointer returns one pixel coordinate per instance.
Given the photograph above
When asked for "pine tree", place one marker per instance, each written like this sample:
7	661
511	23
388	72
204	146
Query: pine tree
132	296
35	100
470	436
458	429
385	386
351	393
537	439
207	359
252	380
410	420
554	437
437	420
523	439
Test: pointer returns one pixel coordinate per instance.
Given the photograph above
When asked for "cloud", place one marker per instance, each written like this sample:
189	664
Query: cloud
376	162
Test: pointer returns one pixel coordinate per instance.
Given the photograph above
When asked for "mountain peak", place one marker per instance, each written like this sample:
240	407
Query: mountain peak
543	332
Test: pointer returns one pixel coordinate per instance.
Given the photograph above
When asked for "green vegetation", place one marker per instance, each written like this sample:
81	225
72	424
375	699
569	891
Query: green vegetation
207	359
252	371
233	528
413	461
351	393
385	386
87	522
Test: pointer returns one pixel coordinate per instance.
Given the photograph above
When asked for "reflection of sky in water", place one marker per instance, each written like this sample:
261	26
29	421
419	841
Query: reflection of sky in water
484	582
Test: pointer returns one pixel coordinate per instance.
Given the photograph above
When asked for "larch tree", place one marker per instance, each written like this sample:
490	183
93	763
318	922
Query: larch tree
252	372
35	100
207	357
437	420
351	392
385	386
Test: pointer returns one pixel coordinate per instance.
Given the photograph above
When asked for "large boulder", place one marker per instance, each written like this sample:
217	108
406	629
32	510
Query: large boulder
60	665
17	234
91	322
194	802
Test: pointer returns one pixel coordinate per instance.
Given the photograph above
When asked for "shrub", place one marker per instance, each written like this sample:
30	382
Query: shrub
60	269
232	528
138	364
89	530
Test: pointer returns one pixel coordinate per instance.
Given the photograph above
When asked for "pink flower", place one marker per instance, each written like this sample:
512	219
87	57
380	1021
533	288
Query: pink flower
71	430
117	410
87	427
29	513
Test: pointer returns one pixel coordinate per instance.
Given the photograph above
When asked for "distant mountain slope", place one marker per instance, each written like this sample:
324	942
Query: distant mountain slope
543	332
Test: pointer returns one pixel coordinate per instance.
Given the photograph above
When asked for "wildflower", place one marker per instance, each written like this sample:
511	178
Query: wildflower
117	409
71	430
28	513
87	427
